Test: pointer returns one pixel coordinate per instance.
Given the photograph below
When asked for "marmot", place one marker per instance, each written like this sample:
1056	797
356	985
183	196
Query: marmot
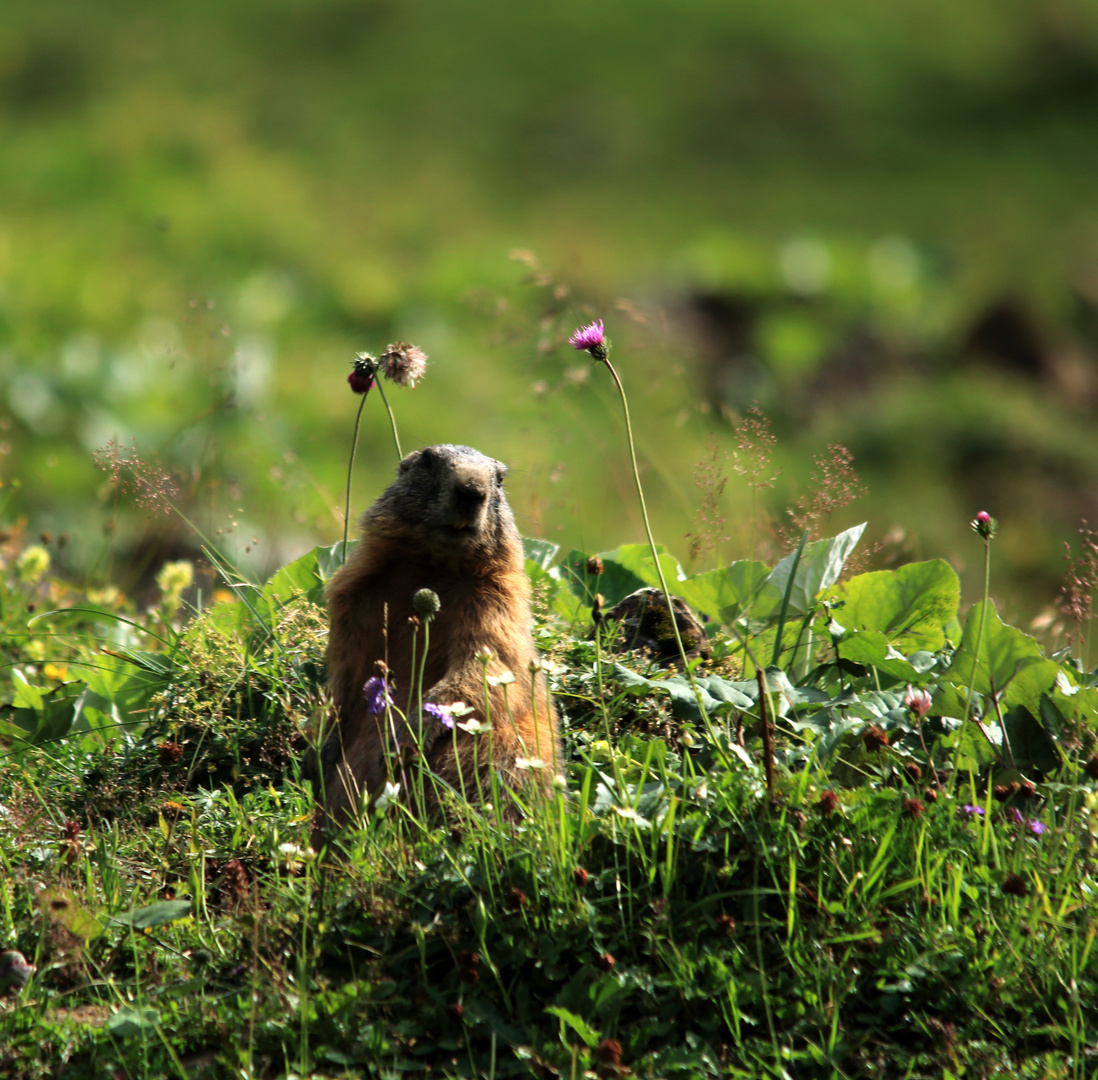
444	524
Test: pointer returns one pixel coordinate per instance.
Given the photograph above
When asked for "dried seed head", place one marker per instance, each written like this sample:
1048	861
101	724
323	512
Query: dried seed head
827	803
726	924
403	364
455	1010
874	739
579	876
912	807
931	795
605	962
914	773
516	900
1015	885
609	1052
170	752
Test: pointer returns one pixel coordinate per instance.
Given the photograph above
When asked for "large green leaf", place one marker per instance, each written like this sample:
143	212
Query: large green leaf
300	577
910	606
541	552
1030	744
819	568
872	648
1007	661
725	594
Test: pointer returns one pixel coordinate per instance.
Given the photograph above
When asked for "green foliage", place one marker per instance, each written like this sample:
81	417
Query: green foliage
668	913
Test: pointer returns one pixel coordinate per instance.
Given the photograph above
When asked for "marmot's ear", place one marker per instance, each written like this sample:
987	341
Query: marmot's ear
407	462
501	471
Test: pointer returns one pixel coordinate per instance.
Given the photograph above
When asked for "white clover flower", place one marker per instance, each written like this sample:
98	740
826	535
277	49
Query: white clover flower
529	763
473	726
388	794
504	678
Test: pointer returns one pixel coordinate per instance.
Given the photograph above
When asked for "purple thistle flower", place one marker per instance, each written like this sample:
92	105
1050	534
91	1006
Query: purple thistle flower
376	692
440	713
591	339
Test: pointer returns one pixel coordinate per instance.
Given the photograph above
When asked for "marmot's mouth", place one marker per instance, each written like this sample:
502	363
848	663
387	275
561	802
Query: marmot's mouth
460	522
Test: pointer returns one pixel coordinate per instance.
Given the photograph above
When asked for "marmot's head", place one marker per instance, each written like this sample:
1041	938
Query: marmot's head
450	499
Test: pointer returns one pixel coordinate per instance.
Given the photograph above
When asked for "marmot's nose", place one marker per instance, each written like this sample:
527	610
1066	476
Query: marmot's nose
469	496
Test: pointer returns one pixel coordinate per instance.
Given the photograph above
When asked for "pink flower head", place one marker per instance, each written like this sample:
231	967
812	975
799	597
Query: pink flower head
403	364
984	524
918	701
592	339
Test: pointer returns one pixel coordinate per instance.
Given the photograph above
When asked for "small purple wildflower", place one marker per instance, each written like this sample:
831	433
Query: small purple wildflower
1014	815
440	713
591	339
376	692
1038	828
969	810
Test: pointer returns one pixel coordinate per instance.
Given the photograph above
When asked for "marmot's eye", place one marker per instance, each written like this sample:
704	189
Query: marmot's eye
501	472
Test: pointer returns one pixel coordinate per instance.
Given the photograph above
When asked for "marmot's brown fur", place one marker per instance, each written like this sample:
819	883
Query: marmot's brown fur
444	524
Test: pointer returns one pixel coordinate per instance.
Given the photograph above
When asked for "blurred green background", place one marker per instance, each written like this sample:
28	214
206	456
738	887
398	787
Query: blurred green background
878	221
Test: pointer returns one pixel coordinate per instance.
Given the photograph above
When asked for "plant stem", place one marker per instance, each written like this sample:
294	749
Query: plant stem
350	469
767	737
656	557
980	628
392	419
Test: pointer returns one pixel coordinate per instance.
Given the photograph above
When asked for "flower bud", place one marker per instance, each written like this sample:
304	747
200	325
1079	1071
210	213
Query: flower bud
985	525
426	603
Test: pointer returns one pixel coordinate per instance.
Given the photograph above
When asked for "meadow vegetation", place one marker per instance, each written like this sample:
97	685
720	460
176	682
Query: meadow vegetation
848	256
854	835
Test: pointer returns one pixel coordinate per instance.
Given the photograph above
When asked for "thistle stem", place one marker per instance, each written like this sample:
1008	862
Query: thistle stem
655	554
350	470
980	628
392	419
